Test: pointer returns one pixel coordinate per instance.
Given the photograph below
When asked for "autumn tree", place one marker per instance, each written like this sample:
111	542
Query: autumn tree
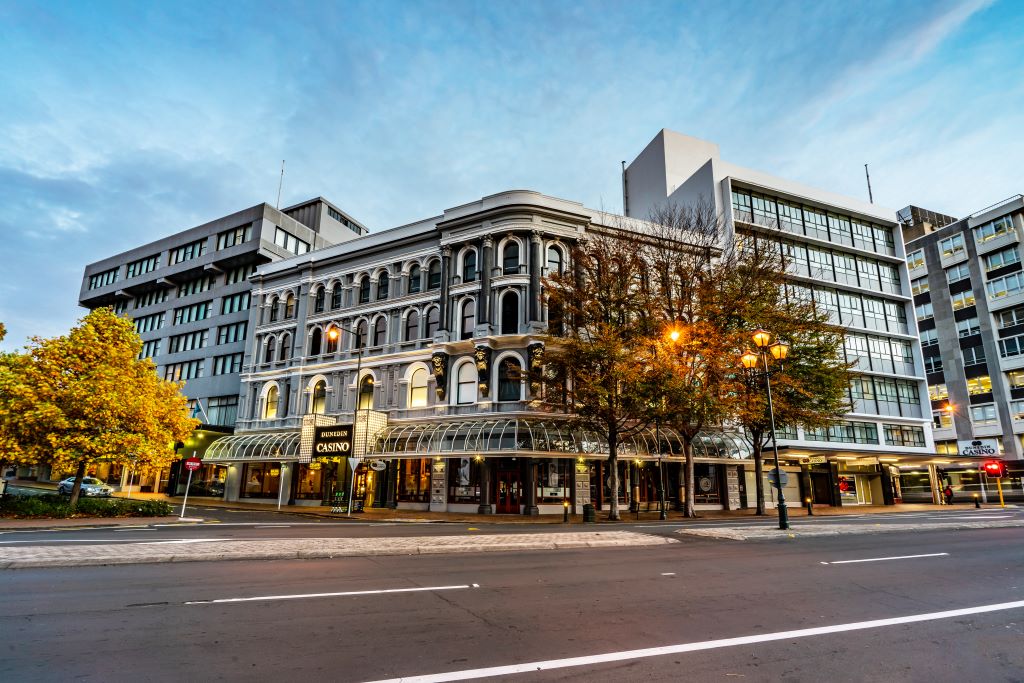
94	400
16	399
604	302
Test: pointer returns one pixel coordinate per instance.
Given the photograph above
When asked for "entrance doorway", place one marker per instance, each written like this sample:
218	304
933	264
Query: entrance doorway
508	492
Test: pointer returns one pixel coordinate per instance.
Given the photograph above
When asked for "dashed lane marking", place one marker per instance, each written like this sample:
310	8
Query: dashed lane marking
300	596
883	559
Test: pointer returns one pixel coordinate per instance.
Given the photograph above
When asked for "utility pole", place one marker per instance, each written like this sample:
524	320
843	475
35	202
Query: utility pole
867	175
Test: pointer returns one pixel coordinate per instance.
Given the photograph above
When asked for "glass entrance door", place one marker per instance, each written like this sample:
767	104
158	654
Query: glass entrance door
508	492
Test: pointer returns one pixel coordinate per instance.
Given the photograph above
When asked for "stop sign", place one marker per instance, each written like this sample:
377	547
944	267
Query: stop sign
192	464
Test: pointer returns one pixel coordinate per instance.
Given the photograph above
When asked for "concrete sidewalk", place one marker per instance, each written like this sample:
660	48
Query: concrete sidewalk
810	530
206	550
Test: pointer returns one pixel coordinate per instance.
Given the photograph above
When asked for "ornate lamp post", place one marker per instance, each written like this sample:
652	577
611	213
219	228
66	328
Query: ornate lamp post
778	351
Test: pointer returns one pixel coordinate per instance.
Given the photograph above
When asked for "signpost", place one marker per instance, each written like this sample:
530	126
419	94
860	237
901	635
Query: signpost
774	481
191	464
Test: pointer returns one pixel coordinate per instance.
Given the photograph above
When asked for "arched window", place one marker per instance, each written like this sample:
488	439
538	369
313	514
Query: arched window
360	339
270	409
315	342
364	290
289	307
555	319
286	344
318	300
510	313
509	372
418	389
318	401
466	388
383	285
468	319
433	322
412	326
333	334
268	355
414	279
554	261
273	309
469	266
336	296
380	331
434	275
510	258
366	393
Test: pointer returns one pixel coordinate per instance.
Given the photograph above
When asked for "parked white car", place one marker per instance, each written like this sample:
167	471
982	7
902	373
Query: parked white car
91	486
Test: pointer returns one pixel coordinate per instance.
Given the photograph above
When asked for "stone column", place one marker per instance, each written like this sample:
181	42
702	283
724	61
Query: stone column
484	314
446	274
485	487
530	500
534	296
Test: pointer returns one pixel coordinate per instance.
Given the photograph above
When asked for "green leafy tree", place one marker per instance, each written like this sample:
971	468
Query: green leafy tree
94	400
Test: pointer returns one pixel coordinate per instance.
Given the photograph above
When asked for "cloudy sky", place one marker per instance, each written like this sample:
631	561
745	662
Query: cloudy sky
125	122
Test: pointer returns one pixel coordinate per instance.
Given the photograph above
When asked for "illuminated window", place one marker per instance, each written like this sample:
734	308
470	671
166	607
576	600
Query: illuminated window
962	299
418	389
979	385
915	259
318	401
938	392
919	285
952	246
270	409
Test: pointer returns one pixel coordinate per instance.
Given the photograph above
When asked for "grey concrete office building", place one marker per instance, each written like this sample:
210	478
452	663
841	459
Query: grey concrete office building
968	288
189	296
847	256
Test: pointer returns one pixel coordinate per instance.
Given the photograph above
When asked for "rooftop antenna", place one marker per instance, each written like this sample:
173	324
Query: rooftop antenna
867	175
279	184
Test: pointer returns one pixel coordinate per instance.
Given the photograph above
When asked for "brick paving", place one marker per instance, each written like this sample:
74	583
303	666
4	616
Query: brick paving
199	550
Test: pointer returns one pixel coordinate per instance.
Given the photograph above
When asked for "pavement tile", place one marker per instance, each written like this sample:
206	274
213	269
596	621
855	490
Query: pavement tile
810	530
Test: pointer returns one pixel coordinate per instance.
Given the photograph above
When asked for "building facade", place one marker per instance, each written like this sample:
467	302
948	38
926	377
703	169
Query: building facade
422	339
189	296
848	257
968	288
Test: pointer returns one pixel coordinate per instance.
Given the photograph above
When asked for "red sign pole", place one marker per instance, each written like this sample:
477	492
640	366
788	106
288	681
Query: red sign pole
192	464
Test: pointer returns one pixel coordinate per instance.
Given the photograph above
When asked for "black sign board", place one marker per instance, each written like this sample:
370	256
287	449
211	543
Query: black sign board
336	440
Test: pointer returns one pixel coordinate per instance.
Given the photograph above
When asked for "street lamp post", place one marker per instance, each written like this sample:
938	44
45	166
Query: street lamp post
779	351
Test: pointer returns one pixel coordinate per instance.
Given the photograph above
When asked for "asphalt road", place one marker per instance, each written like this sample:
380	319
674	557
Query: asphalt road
159	622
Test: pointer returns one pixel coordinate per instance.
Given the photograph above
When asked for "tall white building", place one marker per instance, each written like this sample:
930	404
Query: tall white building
849	256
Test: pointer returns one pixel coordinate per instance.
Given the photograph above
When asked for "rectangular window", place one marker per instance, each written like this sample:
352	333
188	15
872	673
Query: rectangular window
290	242
933	363
180	372
142	266
863	236
1016	379
845	268
815	224
974	355
187	342
857	351
120	306
1005	286
915	259
839	229
107	277
228	364
937	392
991	231
868	271
885	243
1002	258
984	415
148	323
157	296
187	314
223	410
919	285
979	385
196	285
846	432
235	303
187	252
1017	410
924	311
229	334
230	238
962	299
820	261
967	327
874	313
890	276
960	271
942	419
904	435
150	349
929	337
1011	346
239	274
741	207
1011	317
764	210
952	246
791	217
896	317
850	310
903	356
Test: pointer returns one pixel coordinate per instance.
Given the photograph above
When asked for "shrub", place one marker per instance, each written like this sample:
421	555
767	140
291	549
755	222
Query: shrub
57	507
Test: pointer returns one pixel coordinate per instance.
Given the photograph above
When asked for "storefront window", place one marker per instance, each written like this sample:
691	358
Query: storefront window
553	480
260	480
414	480
463	481
309	485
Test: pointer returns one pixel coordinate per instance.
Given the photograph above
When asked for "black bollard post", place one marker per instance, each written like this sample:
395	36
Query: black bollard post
565	511
810	508
977	503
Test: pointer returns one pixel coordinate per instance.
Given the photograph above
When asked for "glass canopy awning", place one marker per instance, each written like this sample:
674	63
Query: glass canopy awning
545	438
272	446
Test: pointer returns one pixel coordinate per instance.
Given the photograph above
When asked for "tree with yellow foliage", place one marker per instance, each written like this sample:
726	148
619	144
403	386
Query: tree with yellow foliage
87	397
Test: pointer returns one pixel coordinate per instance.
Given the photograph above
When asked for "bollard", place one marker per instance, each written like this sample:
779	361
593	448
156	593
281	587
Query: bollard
565	511
810	508
977	505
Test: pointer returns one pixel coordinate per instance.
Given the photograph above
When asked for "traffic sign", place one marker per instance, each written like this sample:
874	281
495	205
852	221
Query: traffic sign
192	464
774	482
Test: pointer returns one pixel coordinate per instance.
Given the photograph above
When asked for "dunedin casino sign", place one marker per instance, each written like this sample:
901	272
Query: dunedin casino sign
332	440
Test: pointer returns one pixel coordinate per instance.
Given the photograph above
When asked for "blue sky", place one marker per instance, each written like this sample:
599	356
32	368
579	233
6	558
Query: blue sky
125	122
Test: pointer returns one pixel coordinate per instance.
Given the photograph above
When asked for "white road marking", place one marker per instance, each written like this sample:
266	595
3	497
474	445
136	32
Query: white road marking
333	595
547	665
121	541
134	528
668	573
972	517
271	526
184	540
882	559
